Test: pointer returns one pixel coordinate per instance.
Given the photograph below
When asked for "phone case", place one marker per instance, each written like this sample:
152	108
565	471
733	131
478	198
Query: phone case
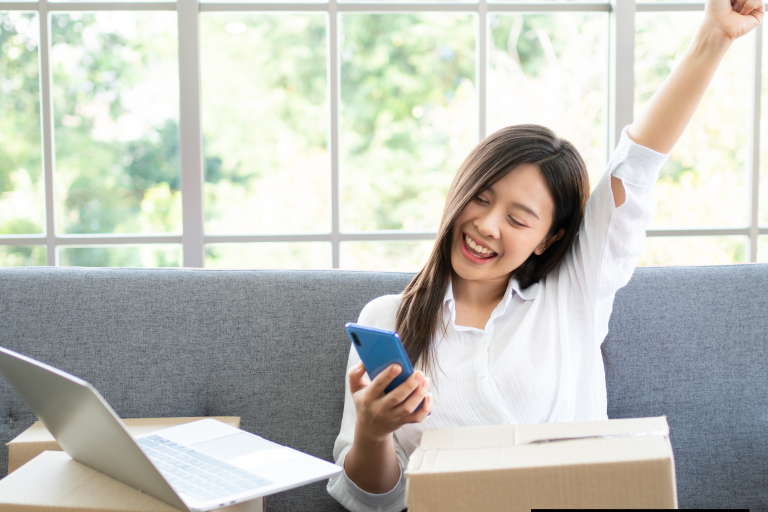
378	349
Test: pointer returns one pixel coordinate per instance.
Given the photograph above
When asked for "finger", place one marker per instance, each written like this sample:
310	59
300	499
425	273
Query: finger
357	379
404	390
744	7
383	379
412	402
749	6
421	414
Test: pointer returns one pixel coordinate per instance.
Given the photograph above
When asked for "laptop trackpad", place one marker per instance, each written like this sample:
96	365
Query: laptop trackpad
234	446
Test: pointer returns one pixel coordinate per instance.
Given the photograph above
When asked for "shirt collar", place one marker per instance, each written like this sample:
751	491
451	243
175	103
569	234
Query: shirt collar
513	287
525	294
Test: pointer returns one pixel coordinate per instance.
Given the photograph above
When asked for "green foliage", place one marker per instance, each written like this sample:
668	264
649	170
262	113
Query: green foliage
126	256
106	178
20	138
530	39
408	116
22	256
265	122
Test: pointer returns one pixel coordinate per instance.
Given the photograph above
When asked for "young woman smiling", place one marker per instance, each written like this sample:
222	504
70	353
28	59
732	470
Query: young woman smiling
508	315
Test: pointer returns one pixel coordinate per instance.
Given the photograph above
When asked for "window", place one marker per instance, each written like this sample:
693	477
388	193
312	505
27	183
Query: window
326	134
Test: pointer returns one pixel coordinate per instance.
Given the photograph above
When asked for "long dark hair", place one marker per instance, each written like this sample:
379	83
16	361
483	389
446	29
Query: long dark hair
493	158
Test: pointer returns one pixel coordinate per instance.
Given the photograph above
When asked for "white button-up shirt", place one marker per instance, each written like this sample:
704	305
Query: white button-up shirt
538	358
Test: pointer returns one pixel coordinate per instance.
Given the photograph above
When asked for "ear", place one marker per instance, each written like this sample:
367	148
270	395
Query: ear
544	245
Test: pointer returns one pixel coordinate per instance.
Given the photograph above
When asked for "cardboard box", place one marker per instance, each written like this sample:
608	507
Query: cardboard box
53	482
625	463
36	439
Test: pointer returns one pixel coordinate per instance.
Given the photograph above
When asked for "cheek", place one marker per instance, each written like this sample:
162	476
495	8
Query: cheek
520	244
465	216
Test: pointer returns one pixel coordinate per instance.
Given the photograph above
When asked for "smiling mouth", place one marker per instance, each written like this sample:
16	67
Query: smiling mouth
477	250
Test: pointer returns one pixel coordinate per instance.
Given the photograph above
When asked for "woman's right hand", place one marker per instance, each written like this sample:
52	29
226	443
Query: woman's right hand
380	414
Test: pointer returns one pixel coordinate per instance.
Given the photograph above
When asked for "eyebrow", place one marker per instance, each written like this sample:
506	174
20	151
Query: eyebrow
523	207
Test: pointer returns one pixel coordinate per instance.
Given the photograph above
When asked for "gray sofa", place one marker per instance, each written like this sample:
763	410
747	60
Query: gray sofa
269	346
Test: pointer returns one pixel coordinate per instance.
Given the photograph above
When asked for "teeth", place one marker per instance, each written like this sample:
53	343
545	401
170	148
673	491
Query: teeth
476	247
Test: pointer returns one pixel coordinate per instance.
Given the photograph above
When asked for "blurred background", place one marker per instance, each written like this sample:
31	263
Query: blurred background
407	116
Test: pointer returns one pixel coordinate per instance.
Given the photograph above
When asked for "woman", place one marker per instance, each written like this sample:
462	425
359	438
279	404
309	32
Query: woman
508	315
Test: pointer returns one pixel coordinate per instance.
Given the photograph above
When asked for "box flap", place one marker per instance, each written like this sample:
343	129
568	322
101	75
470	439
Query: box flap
551	432
578	452
460	438
540	445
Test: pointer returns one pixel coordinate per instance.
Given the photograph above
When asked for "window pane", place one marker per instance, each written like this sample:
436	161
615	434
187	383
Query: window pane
695	250
285	255
385	256
551	69
265	123
535	1
762	249
705	181
116	112
22	206
166	255
56	1
246	1
763	199
22	256
408	116
400	1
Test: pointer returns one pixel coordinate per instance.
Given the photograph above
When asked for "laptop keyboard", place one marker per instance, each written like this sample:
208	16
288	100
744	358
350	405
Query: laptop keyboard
195	473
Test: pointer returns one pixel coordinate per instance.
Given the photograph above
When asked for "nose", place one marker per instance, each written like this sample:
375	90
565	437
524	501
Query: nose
488	224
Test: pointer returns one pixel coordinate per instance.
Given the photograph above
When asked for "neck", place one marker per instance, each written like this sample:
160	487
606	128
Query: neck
479	294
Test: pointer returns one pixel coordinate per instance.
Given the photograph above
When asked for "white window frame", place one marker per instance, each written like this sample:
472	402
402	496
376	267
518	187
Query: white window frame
193	238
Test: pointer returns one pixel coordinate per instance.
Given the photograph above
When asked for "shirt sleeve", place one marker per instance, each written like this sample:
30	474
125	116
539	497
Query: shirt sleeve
611	239
344	490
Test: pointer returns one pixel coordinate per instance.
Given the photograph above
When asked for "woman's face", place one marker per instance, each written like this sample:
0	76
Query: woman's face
500	228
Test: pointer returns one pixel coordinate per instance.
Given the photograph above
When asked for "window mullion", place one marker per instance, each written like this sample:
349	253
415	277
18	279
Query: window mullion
46	84
482	66
754	145
190	133
622	69
333	140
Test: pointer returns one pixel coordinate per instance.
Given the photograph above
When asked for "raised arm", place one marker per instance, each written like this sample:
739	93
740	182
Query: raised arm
663	120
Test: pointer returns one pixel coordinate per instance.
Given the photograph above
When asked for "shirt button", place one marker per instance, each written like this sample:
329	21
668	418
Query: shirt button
482	374
623	155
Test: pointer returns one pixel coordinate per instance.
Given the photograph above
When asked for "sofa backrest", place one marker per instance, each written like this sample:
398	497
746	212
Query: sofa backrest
269	346
691	343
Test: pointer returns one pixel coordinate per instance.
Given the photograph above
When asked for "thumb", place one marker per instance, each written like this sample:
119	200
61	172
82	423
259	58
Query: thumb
357	378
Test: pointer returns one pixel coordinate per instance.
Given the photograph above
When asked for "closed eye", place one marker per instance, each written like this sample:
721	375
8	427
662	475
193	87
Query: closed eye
481	200
516	223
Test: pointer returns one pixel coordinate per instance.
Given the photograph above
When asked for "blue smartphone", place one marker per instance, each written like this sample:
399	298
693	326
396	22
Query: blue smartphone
378	349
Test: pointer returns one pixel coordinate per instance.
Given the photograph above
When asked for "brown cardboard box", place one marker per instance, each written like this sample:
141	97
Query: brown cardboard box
36	439
624	463
53	482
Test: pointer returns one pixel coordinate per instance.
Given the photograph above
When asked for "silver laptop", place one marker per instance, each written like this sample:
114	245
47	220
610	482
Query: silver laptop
198	466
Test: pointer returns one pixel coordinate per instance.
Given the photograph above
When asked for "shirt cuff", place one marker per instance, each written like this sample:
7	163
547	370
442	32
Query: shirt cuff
635	164
374	499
